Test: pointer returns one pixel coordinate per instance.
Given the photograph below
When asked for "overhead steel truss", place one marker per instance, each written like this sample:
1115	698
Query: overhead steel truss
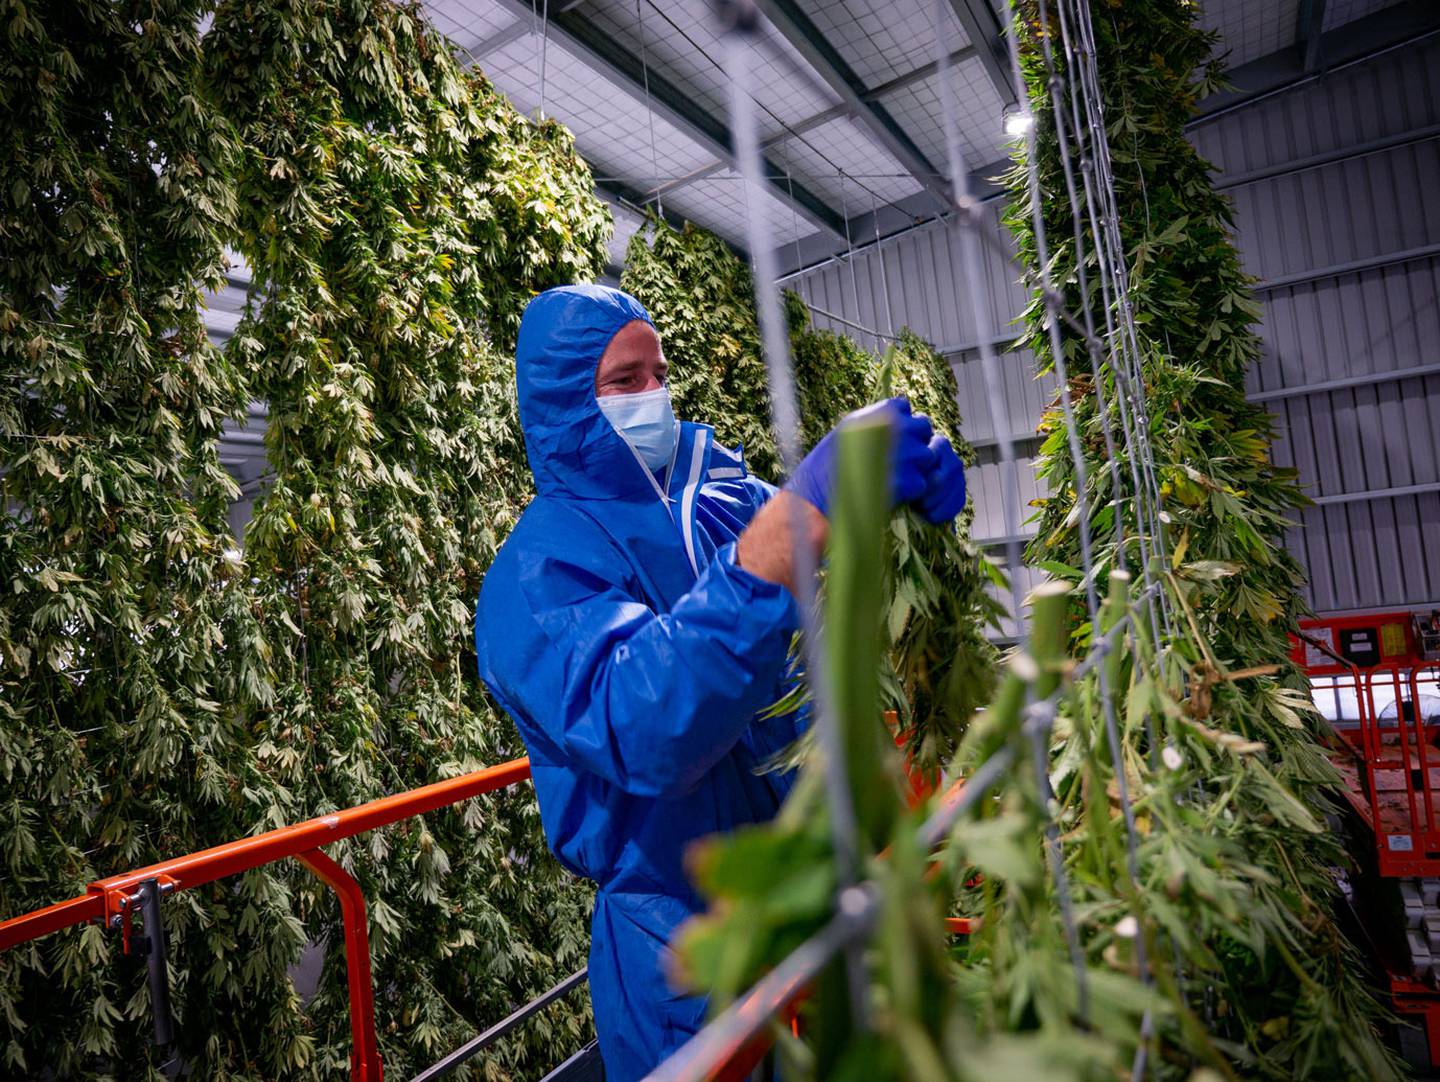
806	38
630	74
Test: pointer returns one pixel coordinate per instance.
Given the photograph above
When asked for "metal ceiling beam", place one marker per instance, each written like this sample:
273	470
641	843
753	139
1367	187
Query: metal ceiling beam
522	27
816	120
1308	30
628	74
1357	42
797	28
982	27
617	191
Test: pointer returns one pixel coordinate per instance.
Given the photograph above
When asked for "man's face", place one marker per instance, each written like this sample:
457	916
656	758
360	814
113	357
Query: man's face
632	362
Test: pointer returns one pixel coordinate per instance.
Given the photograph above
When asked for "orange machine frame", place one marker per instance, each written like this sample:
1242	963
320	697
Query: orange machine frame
1401	816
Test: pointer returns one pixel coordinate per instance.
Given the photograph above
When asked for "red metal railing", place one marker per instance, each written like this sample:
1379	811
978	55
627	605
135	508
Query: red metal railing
112	901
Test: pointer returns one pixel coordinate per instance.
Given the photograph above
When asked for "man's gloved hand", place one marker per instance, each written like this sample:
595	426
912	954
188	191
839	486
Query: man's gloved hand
944	495
913	462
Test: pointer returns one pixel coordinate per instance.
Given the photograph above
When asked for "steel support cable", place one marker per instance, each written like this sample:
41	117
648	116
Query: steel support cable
1090	79
1039	731
1125	366
1054	81
1126	369
785	417
1089	82
969	215
1090	72
650	113
884	276
1097	372
794	214
850	252
1041	721
541	46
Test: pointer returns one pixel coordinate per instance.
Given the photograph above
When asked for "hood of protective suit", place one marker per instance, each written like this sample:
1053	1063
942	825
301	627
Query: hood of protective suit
574	450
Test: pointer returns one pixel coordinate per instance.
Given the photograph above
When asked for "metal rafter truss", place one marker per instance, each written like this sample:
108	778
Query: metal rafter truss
982	27
860	101
630	74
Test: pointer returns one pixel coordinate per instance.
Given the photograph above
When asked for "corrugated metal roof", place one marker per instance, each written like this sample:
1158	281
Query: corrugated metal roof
835	156
721	199
612	128
1249	29
843	163
467	22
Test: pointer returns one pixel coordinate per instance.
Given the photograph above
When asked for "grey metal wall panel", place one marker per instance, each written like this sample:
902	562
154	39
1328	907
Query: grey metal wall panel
1398	94
1312	192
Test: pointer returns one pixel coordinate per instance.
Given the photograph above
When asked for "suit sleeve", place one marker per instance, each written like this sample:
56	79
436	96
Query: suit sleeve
648	700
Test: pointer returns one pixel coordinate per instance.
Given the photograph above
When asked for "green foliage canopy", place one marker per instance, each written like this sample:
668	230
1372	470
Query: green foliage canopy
162	692
1294	991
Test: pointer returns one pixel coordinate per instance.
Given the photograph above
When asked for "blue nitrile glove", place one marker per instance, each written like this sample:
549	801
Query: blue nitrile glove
911	458
944	495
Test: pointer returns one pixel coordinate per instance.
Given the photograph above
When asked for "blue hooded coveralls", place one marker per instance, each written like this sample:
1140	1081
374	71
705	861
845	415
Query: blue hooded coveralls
616	627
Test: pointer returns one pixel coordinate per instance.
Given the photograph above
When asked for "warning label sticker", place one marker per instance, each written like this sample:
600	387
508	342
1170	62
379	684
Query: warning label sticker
1392	640
1314	657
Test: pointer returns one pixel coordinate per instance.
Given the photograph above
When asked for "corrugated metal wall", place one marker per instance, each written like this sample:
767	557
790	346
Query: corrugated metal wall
1337	197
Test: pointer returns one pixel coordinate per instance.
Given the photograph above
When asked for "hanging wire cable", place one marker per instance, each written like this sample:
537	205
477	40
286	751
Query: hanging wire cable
884	277
794	213
850	260
775	341
649	110
1114	277
970	217
541	17
1054	81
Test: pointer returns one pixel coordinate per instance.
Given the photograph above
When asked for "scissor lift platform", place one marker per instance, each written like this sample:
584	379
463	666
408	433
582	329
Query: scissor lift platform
1381	676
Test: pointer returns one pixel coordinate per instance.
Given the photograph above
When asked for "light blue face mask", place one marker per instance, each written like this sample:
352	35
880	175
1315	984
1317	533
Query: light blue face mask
646	422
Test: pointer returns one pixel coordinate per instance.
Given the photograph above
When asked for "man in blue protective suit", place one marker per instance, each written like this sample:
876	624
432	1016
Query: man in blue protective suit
636	620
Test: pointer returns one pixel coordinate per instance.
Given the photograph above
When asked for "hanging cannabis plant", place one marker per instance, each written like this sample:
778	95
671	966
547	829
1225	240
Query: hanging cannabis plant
1292	990
393	209
940	668
129	648
160	692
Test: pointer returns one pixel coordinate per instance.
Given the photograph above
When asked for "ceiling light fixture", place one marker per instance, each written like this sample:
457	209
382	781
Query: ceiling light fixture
1018	122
